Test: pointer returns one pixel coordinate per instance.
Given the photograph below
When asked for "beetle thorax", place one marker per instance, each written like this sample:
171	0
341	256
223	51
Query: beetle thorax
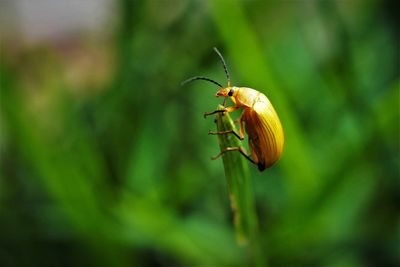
245	96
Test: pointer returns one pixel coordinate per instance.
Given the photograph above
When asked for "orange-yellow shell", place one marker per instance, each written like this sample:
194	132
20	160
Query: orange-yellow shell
262	124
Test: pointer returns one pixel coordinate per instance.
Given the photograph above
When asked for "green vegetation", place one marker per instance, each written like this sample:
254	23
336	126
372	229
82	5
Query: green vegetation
240	191
105	158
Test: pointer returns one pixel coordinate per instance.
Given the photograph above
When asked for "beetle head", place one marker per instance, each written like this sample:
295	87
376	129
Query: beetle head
225	92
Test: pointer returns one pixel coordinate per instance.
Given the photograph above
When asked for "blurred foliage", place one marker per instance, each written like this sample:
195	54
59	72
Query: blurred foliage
105	159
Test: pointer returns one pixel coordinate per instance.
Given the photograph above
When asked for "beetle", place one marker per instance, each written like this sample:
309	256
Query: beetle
259	119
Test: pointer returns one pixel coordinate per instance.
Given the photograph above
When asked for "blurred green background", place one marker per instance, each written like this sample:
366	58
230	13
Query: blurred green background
105	159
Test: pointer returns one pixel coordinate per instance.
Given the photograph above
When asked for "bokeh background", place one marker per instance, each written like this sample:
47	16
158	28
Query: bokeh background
105	158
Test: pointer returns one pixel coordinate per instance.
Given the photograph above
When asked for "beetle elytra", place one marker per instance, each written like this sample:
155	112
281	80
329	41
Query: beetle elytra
259	119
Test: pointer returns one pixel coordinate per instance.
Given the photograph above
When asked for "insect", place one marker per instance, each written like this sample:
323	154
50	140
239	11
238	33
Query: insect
259	118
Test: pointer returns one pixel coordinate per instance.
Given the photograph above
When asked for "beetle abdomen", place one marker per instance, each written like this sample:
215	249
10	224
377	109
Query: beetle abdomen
261	166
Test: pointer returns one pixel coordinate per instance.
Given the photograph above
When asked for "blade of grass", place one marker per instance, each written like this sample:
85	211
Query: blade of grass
240	190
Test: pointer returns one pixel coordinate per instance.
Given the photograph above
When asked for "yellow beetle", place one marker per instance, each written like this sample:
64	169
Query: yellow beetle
262	124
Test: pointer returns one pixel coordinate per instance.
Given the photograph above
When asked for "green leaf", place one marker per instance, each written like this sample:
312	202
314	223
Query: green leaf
240	189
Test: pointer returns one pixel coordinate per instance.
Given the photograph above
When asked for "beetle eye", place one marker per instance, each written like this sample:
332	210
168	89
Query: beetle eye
230	92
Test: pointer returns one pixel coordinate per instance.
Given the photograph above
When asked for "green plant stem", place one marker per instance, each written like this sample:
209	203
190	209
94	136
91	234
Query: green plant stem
240	190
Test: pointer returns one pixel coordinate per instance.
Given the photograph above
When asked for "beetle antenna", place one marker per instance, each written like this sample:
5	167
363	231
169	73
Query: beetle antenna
225	67
200	78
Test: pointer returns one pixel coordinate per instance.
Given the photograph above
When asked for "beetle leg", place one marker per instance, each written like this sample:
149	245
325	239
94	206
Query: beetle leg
213	112
240	136
227	109
224	101
240	149
231	109
241	131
